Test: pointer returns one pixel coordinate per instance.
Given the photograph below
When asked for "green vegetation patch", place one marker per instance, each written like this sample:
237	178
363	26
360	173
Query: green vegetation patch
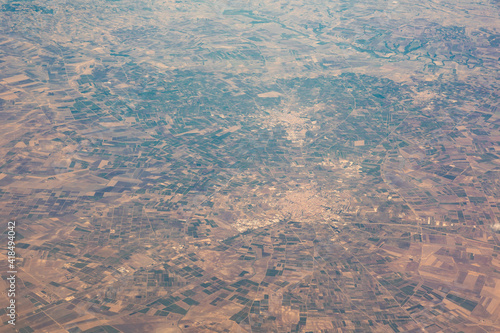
175	309
465	303
102	329
190	301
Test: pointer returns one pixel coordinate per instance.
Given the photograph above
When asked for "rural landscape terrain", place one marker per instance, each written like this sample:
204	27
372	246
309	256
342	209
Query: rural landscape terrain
251	166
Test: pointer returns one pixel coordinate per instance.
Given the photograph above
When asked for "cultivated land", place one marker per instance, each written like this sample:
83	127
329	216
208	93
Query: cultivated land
232	166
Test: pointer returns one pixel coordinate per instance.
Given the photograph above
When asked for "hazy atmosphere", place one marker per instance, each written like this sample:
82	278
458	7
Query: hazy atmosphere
249	166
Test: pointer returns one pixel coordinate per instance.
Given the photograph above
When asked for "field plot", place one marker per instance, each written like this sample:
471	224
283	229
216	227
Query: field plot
222	166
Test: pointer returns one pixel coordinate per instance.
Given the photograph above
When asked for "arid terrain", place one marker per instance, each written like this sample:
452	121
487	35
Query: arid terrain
237	166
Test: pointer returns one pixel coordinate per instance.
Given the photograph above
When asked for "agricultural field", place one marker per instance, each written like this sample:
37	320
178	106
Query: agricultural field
237	166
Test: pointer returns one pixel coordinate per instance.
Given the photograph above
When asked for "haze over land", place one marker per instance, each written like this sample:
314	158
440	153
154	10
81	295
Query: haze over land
237	166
